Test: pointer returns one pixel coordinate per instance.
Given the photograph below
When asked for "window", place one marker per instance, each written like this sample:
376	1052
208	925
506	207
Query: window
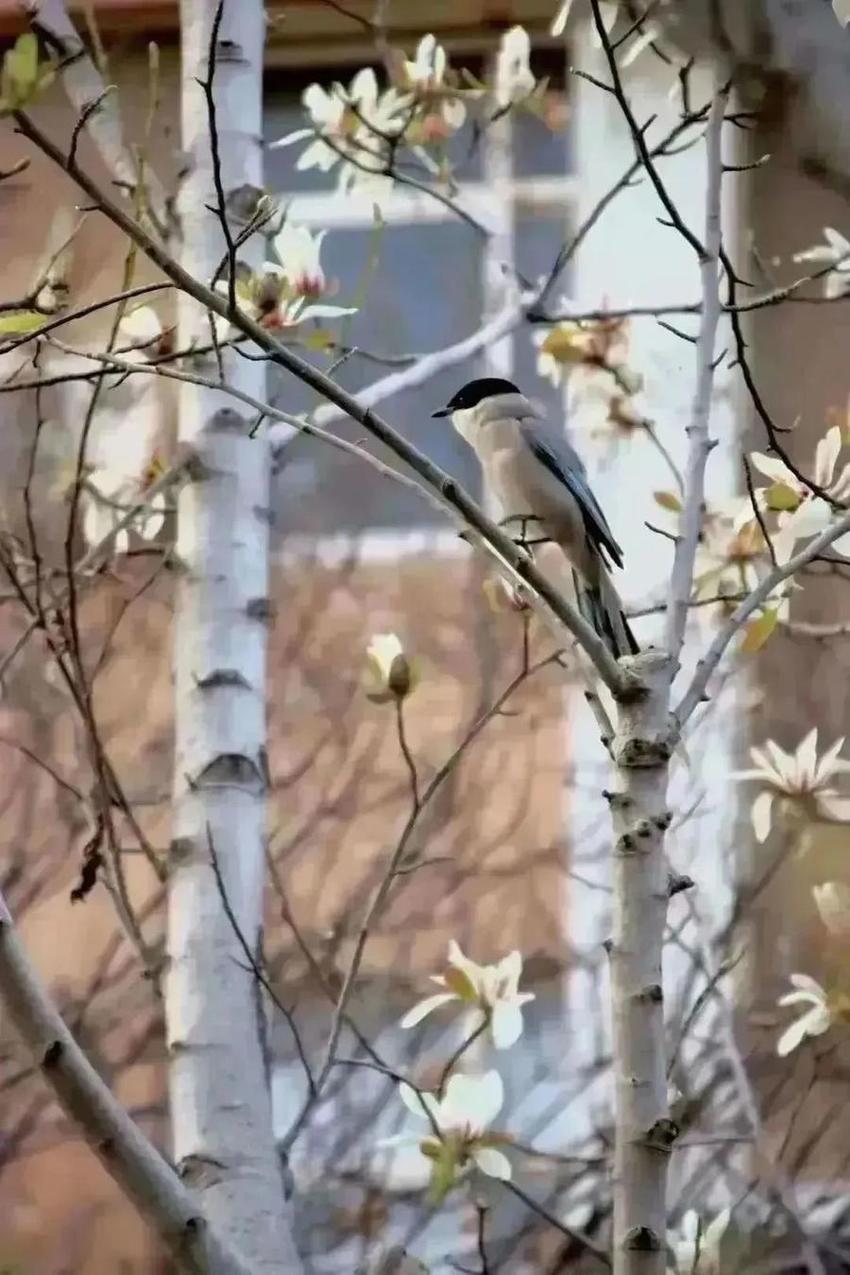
425	279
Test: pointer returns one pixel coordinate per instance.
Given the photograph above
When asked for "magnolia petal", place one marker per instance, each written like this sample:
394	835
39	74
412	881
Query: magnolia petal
836	284
509	969
808	984
841	9
426	1007
842	545
831	764
807	758
323	106
771	467
506	1024
320	155
837	242
454	112
400	1140
322	311
791	1038
798	998
364	87
458	958
809	519
300	135
763	776
783	763
761	815
419	1104
637	47
826	454
559	22
472	1101
492	1162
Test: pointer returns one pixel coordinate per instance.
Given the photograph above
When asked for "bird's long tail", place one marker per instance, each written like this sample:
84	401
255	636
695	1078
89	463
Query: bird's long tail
601	606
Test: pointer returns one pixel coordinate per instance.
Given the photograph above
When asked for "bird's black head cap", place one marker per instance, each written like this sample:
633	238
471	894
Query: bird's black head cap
471	394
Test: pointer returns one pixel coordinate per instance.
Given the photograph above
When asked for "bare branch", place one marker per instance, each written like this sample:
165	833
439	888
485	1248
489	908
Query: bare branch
700	442
742	613
515	563
122	1149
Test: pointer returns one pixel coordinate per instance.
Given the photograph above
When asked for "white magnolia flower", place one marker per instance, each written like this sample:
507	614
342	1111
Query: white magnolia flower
814	1022
696	1250
796	775
283	293
391	674
427	73
801	514
350	127
492	988
458	1137
833	903
299	254
841	9
108	497
730	550
835	252
600	346
514	78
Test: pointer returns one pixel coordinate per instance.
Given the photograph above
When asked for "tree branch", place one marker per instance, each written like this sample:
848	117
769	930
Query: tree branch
123	1150
700	442
742	613
515	563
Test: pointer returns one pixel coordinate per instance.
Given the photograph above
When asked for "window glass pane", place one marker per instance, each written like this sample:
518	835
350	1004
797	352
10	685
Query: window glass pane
423	293
538	240
537	149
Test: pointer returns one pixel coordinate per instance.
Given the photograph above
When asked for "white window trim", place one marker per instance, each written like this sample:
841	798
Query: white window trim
549	195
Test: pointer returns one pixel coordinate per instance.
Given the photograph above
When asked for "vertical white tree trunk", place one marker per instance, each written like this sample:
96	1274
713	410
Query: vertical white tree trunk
220	1105
644	1134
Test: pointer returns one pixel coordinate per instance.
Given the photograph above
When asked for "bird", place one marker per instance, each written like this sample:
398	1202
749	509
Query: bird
537	476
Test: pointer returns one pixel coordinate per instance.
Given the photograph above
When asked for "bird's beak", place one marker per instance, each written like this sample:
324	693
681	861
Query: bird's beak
444	411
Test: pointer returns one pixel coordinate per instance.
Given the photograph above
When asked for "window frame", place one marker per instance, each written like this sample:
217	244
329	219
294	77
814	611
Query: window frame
550	195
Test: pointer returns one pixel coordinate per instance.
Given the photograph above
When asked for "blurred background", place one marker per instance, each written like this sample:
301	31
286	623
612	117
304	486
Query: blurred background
511	852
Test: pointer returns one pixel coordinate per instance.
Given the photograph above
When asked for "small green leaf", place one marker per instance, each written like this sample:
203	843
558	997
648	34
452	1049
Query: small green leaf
758	631
19	321
781	498
319	339
19	76
563	343
668	500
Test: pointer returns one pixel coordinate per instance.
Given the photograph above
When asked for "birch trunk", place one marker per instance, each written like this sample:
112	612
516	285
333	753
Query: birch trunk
644	1133
646	734
219	1096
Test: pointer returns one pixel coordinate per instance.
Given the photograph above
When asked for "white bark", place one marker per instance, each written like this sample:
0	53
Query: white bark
643	1134
123	1150
642	749
220	1103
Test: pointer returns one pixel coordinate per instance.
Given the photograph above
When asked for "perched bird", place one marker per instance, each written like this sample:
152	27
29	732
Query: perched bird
537	476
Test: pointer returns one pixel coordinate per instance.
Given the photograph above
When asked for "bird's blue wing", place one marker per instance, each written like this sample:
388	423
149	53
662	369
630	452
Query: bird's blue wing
560	459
